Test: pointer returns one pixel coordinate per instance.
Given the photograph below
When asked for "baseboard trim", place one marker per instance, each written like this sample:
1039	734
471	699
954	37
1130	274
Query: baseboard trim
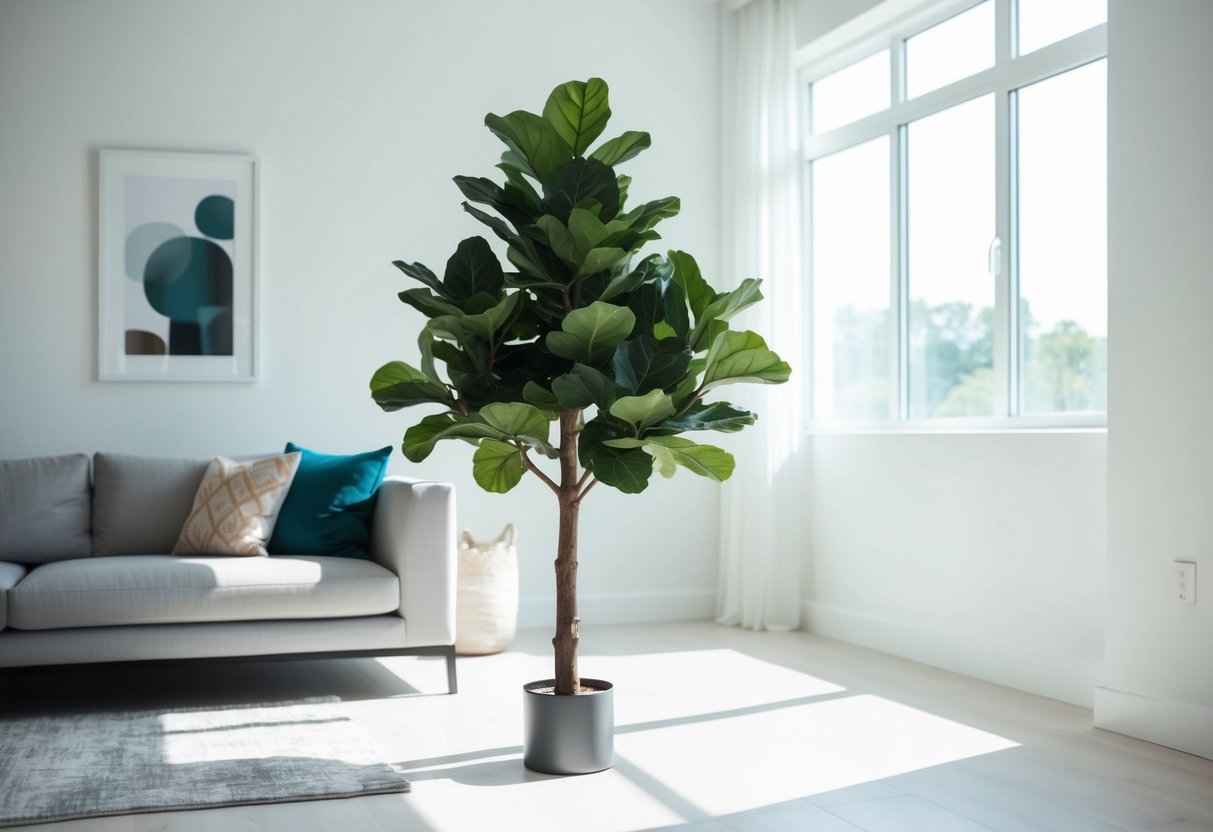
1042	675
1173	724
624	608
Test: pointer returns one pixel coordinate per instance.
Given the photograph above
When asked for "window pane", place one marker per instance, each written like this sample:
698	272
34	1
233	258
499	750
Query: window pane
1042	22
850	251
951	225
955	49
1063	242
852	93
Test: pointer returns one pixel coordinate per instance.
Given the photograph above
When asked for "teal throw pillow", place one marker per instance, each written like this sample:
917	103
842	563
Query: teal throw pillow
328	509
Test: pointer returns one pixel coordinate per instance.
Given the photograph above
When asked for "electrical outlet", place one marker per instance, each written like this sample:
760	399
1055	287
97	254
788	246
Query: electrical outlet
1185	582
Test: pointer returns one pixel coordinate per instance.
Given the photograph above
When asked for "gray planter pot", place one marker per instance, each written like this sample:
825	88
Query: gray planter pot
568	734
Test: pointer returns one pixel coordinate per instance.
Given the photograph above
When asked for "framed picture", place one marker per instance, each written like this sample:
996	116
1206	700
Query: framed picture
177	282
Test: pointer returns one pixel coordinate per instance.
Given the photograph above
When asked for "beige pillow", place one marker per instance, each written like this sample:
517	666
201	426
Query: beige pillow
236	506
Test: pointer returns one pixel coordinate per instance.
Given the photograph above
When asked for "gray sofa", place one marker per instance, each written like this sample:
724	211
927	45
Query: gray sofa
85	574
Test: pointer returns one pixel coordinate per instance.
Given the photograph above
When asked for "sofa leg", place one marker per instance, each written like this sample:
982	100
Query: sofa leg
452	682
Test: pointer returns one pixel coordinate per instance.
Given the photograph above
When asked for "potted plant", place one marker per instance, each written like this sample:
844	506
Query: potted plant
621	354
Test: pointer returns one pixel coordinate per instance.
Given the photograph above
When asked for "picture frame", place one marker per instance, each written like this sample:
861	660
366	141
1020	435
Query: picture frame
177	266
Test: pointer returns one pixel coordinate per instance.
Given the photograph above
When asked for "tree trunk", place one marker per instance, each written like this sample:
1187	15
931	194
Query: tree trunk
565	641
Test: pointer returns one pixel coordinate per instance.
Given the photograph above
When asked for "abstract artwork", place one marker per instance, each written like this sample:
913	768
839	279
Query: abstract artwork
176	266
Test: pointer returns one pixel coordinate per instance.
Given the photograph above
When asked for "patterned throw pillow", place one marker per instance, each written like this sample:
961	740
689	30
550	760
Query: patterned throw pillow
236	506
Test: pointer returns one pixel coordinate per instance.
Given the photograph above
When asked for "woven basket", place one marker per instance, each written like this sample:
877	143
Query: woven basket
486	604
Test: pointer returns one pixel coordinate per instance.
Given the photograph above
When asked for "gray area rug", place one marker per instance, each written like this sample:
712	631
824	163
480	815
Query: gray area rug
89	765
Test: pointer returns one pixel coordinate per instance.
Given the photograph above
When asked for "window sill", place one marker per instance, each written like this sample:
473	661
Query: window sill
961	426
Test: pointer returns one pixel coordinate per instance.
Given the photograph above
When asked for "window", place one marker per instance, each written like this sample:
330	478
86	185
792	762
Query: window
957	219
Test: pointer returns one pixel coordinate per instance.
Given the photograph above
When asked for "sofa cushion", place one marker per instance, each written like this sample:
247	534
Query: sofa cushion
10	573
237	506
328	509
45	509
140	503
164	589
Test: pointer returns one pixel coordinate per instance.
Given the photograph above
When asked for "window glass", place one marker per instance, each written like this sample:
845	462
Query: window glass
850	258
951	226
1042	22
1063	241
957	48
851	93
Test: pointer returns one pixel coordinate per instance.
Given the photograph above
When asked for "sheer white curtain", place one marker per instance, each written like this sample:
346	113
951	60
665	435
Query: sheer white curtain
762	519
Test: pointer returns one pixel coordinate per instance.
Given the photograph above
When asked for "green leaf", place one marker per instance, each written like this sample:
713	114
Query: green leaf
420	439
590	334
396	385
425	344
621	148
479	189
687	275
724	307
583	386
427	303
498	225
674	300
520	193
663	461
516	419
514	163
559	238
642	411
718	416
511	204
646	304
650	268
627	469
704	460
600	259
522	280
644	217
709	335
685	391
624	183
662	331
743	357
525	263
579	112
540	396
644	363
578	183
533	139
473	269
587	230
629	238
487	324
449	328
496	466
455	359
417	271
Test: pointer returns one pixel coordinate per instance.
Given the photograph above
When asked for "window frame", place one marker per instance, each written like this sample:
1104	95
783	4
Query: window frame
888	26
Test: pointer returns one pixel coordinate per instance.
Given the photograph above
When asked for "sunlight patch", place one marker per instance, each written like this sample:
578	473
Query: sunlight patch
793	751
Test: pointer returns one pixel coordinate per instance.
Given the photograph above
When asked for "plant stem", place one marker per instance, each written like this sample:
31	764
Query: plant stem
534	469
567	623
586	490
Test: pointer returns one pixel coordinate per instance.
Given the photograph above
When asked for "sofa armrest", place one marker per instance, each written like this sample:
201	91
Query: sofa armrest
413	535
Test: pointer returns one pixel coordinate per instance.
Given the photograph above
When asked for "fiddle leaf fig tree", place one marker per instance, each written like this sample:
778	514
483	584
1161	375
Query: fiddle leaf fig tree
580	362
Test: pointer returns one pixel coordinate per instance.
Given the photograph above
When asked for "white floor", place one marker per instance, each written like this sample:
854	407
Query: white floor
719	730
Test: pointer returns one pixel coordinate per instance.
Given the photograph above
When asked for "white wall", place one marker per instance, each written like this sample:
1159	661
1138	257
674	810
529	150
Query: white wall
980	553
816	17
360	113
1158	683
